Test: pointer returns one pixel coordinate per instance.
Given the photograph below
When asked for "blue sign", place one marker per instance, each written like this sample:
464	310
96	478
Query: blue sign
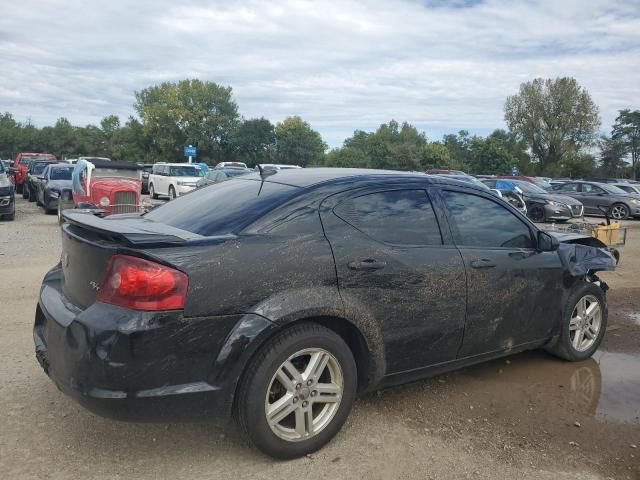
514	171
190	151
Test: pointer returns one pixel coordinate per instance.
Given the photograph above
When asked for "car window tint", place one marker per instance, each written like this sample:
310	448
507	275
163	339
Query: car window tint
484	223
569	187
399	217
588	188
224	207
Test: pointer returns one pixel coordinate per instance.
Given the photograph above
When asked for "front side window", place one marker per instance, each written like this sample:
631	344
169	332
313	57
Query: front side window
484	223
588	188
569	187
397	217
185	172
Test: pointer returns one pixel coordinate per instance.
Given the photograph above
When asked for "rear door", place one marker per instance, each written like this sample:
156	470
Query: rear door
396	267
515	293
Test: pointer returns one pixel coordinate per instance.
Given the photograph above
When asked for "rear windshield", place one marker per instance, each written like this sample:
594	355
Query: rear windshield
225	207
33	158
186	172
60	173
37	168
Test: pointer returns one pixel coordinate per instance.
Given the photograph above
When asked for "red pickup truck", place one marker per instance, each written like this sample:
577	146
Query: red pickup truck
21	163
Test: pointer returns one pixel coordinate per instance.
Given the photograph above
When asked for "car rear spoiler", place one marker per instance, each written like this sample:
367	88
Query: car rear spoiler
133	230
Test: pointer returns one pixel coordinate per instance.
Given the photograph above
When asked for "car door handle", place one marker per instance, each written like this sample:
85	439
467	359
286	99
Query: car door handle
482	263
367	264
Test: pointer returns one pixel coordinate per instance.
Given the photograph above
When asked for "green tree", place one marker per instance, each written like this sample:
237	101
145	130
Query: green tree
346	157
254	140
554	117
436	155
627	129
612	156
9	133
298	144
187	112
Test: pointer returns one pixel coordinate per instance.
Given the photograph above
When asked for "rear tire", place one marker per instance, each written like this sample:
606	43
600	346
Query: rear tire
152	192
584	323
19	187
32	196
307	405
25	191
172	193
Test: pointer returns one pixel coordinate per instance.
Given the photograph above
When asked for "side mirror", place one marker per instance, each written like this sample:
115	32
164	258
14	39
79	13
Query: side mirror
547	242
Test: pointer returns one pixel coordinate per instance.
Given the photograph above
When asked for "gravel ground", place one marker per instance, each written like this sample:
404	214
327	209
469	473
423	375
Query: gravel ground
529	416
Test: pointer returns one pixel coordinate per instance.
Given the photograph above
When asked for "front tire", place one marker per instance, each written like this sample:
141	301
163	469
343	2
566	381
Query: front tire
172	193
19	187
536	213
584	323
297	391
25	191
32	196
619	211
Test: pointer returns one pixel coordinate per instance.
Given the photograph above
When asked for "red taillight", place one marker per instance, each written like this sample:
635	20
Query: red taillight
139	284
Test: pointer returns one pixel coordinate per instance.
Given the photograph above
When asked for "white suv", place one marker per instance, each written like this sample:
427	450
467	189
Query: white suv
173	179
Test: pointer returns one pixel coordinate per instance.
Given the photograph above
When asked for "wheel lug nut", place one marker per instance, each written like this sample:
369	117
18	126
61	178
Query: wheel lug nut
295	399
298	386
309	382
314	393
305	403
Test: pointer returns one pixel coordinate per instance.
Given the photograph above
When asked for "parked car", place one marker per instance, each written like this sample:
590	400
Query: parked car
55	178
281	297
598	196
34	171
21	164
145	170
630	188
7	195
539	181
444	171
543	206
231	164
173	179
604	180
103	187
218	175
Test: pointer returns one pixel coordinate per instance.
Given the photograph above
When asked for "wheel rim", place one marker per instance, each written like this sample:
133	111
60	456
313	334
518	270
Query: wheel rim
585	323
304	394
537	214
618	212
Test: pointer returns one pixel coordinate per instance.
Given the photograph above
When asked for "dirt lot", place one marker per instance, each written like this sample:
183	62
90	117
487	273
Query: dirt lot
530	416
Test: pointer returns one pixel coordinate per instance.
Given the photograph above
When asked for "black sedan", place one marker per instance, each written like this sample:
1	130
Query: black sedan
7	195
543	206
280	297
34	174
602	197
53	180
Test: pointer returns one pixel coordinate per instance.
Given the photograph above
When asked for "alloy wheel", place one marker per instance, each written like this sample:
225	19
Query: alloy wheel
304	394
619	212
585	323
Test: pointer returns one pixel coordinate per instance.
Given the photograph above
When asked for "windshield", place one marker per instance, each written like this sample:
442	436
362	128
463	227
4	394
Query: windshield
234	172
114	172
237	204
185	172
528	187
33	158
38	168
60	173
612	189
542	183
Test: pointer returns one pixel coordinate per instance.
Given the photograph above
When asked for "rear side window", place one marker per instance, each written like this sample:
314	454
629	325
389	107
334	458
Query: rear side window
397	217
224	207
569	187
483	223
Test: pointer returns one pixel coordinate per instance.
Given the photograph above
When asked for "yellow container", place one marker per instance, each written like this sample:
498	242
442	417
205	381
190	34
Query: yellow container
608	234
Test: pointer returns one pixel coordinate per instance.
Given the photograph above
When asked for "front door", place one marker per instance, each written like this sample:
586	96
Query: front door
592	197
514	291
395	268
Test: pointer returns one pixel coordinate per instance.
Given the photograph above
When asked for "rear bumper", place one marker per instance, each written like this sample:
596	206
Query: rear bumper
143	366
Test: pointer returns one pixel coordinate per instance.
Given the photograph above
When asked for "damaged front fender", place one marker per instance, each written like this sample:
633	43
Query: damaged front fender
582	254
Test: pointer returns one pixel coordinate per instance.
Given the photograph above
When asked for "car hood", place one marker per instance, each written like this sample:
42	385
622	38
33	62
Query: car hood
552	197
58	184
116	183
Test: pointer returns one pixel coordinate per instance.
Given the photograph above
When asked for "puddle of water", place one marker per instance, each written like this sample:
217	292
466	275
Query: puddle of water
605	387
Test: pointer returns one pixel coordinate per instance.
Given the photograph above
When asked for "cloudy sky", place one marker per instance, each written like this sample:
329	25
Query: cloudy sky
341	65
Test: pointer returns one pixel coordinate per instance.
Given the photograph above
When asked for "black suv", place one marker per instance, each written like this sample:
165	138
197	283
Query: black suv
281	296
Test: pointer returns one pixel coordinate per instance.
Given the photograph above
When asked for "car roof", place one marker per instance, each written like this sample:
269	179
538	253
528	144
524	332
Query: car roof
310	177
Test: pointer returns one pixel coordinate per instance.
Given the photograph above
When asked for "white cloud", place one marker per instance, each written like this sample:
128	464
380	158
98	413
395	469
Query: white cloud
339	64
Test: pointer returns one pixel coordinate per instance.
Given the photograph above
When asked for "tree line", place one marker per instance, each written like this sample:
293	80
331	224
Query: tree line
553	128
